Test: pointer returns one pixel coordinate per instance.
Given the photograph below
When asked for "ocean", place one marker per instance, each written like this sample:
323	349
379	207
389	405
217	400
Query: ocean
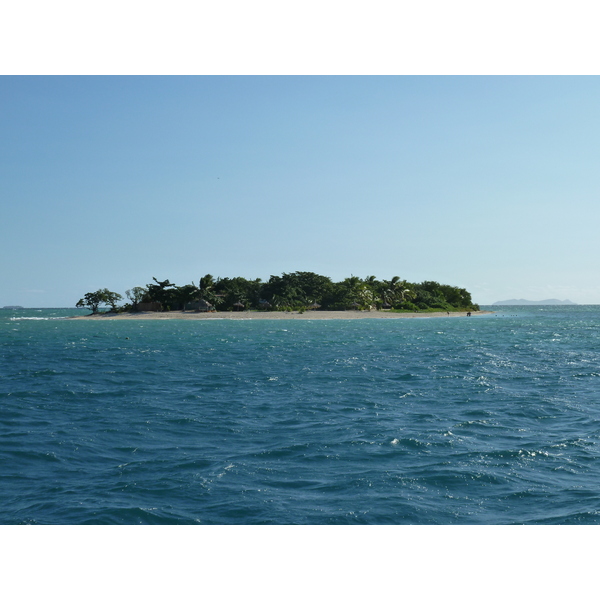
486	420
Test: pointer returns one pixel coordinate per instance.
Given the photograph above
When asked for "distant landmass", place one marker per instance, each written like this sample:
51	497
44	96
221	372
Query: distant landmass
12	307
523	301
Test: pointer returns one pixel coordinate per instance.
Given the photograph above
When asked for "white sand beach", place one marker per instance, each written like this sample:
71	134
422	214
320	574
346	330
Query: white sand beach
277	315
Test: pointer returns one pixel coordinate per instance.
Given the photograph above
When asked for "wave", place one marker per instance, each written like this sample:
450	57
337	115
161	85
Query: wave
334	423
36	318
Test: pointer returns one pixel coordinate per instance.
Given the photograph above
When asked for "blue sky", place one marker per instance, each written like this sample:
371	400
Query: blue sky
489	183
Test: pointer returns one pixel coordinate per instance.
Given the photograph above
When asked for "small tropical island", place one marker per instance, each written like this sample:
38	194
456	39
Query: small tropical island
292	294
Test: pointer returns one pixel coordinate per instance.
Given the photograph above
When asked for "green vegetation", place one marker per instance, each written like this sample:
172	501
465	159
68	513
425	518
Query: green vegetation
299	291
93	300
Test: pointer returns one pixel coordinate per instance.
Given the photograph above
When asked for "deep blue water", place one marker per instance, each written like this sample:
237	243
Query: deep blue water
483	420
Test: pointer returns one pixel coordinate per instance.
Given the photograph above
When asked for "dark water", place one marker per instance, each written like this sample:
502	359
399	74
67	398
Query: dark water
487	420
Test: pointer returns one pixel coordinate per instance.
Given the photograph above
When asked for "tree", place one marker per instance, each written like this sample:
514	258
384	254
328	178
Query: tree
398	291
296	291
345	294
136	295
162	292
206	285
93	300
184	294
111	298
231	292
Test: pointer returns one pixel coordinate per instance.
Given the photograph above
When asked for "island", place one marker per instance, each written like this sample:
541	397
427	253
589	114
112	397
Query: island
299	293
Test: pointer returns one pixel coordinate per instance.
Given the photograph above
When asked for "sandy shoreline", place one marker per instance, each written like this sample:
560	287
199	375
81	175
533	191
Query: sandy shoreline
275	315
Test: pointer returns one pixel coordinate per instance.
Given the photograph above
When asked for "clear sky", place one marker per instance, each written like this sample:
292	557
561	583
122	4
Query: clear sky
488	183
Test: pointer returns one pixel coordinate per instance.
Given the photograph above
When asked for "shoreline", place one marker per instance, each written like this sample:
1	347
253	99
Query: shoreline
277	315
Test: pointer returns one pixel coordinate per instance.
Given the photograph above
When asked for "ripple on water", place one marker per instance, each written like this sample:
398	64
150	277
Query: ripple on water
340	422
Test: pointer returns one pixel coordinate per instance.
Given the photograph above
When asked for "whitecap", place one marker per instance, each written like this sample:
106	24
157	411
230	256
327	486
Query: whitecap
36	318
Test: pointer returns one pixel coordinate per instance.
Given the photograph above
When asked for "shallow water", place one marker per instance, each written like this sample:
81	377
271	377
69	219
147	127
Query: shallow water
486	420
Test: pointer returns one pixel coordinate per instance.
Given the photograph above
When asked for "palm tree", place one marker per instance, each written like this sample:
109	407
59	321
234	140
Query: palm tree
397	291
206	289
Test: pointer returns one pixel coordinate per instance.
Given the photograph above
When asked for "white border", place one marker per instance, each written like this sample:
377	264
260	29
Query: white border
308	37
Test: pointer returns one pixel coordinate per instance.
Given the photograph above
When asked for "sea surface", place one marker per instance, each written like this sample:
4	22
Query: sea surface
491	419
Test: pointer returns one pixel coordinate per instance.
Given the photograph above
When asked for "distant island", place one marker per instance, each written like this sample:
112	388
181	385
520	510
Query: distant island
11	307
522	302
299	291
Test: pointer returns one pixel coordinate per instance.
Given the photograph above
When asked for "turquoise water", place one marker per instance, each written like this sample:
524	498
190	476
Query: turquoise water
483	420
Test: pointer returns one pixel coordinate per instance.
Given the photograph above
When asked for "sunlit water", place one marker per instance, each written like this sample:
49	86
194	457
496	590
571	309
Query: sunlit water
482	420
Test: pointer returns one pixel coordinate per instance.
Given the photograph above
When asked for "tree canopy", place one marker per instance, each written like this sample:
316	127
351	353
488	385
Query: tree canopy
93	300
300	290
